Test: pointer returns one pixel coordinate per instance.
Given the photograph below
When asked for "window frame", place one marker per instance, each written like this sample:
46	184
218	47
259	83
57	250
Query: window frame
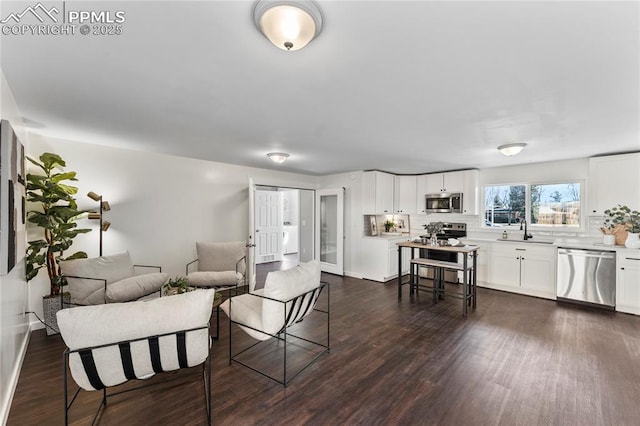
533	226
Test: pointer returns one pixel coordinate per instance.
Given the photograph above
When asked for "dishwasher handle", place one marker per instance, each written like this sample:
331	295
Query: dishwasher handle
586	253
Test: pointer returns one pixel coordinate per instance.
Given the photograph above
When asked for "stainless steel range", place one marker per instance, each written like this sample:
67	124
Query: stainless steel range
449	230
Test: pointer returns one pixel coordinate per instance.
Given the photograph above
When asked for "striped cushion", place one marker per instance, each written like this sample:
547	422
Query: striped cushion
90	326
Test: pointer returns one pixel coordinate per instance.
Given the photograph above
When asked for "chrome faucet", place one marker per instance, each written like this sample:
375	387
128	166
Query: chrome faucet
526	234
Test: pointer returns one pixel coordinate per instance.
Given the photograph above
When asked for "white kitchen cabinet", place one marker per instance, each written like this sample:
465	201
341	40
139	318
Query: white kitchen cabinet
405	194
421	191
628	283
380	258
470	192
377	193
444	182
613	180
522	268
482	260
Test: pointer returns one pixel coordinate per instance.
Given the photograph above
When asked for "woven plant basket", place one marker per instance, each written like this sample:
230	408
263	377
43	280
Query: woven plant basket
621	235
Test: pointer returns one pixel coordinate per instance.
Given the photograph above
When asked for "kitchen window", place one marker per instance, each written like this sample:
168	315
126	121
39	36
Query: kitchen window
548	205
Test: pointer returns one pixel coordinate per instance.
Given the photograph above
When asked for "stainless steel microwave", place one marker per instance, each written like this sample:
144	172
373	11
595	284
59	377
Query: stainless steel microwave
444	202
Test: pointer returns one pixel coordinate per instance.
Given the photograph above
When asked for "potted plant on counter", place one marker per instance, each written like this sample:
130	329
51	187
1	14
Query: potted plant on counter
627	221
389	225
54	210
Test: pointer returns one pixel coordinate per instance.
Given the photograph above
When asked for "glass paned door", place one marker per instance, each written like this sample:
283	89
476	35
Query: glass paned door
331	229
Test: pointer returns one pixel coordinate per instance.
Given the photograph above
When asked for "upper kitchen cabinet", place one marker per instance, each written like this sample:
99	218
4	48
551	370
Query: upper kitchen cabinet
470	192
444	182
613	180
377	192
405	194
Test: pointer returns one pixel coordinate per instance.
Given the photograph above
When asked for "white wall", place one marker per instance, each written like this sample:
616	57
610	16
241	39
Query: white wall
13	289
160	204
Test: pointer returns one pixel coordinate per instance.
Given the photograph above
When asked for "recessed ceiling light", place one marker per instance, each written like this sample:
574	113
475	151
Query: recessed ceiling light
511	149
278	157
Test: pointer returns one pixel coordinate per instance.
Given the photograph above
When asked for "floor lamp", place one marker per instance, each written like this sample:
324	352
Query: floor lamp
104	207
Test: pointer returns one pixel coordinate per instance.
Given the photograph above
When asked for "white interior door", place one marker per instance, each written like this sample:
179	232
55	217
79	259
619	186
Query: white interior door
251	264
268	226
330	216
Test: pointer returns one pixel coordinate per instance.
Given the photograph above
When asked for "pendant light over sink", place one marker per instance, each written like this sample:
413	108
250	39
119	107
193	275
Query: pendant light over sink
289	25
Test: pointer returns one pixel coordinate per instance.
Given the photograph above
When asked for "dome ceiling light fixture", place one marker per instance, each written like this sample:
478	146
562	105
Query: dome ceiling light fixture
278	157
289	25
511	149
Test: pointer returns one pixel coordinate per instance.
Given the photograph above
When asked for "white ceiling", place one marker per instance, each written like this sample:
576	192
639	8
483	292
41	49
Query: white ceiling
401	86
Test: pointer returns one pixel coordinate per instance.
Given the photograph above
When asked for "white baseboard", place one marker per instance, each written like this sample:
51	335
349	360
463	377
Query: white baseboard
15	375
353	275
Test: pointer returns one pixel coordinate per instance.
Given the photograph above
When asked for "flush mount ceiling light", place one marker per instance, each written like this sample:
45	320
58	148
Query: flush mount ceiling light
511	149
290	25
278	157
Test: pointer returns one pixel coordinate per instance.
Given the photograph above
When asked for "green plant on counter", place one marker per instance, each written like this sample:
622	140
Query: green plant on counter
56	215
434	228
389	225
622	216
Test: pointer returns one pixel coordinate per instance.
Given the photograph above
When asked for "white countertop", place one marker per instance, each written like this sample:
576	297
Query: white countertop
566	242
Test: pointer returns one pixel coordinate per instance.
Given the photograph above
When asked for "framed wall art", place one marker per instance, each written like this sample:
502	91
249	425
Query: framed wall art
12	199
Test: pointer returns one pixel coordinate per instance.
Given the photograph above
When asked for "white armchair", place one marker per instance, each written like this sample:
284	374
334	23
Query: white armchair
147	340
219	265
287	298
109	279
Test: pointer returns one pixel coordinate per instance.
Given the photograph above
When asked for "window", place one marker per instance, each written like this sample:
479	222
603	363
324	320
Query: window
545	205
504	205
555	205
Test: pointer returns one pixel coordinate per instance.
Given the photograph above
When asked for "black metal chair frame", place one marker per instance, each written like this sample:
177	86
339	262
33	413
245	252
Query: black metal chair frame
64	277
307	300
206	375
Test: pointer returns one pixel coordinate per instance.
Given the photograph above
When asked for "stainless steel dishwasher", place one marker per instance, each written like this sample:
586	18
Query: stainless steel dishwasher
587	276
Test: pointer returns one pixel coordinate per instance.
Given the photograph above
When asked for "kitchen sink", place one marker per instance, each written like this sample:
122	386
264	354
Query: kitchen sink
532	241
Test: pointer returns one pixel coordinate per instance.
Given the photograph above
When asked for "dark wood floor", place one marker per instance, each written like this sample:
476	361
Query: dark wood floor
516	360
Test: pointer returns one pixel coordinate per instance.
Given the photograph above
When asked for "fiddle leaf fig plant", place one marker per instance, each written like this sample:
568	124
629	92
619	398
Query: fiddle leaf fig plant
55	212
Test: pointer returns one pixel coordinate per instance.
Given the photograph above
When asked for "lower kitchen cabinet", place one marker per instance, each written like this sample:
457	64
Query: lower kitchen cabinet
482	261
522	268
628	283
380	258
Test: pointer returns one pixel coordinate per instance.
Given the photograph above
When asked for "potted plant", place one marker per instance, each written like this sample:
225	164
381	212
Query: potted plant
54	211
389	225
627	220
609	230
177	285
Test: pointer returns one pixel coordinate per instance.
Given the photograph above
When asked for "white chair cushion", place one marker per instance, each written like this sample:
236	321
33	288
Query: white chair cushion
213	278
220	256
135	287
285	285
89	326
112	268
247	309
268	315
